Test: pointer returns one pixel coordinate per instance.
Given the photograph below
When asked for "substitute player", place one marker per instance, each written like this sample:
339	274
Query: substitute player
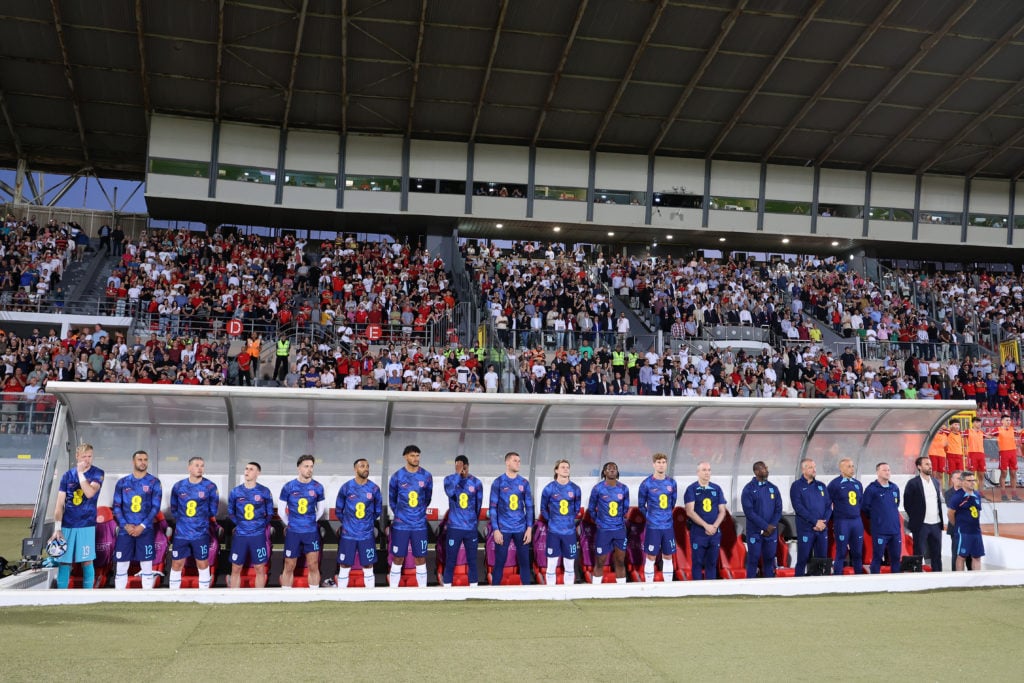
846	494
966	507
609	501
813	509
358	507
1006	438
194	503
137	500
882	505
301	504
74	518
705	508
251	508
465	500
409	493
762	507
656	500
976	450
511	514
560	503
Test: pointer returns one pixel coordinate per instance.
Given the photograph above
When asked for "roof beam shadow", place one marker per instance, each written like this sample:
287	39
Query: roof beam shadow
487	72
923	51
556	77
58	27
765	75
727	25
416	67
652	25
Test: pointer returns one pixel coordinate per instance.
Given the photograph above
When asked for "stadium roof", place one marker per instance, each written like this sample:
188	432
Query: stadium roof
907	86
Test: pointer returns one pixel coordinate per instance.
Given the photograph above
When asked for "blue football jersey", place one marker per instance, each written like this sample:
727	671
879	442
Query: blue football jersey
251	509
465	499
705	499
511	504
302	499
559	504
966	509
409	495
192	506
357	508
608	505
137	500
79	511
847	496
656	500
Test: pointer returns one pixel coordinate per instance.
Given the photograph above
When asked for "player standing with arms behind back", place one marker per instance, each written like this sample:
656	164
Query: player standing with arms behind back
409	494
301	504
609	501
251	508
656	500
560	504
194	503
358	507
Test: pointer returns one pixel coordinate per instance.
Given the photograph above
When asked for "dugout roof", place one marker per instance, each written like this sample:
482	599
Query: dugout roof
229	426
909	86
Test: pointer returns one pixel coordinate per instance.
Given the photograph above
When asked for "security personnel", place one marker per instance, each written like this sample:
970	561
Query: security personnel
619	361
847	496
762	506
631	365
813	509
282	350
882	504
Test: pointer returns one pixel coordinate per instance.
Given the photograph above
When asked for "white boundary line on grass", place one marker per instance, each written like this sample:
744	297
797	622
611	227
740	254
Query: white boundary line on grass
821	585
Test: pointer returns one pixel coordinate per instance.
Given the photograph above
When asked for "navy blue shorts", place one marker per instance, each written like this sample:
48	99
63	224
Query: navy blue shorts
607	541
659	541
364	549
301	543
251	549
969	545
562	545
139	548
400	541
198	548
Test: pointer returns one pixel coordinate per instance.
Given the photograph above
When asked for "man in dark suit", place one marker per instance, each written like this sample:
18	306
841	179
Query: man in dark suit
922	499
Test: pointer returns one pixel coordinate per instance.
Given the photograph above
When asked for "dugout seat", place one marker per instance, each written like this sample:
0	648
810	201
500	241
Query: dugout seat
510	575
782	568
732	553
588	534
106	536
684	554
636	556
160	545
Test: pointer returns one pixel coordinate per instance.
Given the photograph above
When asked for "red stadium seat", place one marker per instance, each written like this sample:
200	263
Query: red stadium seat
782	568
732	554
684	555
